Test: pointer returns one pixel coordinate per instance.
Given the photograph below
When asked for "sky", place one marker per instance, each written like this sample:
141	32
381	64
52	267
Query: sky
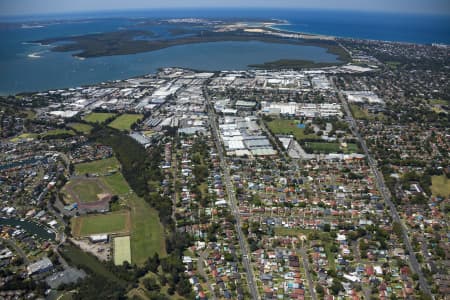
31	7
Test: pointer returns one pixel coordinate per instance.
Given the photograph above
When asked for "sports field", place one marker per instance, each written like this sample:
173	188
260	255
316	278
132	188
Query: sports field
125	121
147	233
81	127
116	183
100	167
290	127
117	222
84	190
98	117
122	250
440	185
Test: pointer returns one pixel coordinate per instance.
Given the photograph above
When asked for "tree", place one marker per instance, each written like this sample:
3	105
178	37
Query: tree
336	287
150	284
153	263
184	287
320	290
397	228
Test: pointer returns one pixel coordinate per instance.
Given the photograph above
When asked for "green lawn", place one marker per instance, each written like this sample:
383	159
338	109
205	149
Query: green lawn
86	261
147	233
353	148
87	191
330	255
96	224
393	64
98	117
117	183
125	121
122	250
440	185
290	231
282	126
102	166
81	127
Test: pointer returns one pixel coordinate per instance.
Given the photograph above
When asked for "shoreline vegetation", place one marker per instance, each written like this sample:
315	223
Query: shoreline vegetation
126	42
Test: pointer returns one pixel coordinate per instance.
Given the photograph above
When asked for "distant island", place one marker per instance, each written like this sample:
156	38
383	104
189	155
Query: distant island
192	31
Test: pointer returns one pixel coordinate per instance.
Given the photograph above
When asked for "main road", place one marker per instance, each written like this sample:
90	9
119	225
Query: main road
386	195
232	200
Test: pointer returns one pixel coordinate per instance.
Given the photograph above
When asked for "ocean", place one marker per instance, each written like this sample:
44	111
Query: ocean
33	67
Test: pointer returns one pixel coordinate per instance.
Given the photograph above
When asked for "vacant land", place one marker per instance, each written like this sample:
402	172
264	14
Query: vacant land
125	121
440	185
290	127
84	190
122	250
81	127
98	117
324	147
102	166
86	261
359	113
147	233
296	64
363	114
118	222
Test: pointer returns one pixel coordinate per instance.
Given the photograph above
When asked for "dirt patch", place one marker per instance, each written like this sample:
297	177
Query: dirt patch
100	250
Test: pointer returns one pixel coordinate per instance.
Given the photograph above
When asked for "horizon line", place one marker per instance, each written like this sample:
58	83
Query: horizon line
202	8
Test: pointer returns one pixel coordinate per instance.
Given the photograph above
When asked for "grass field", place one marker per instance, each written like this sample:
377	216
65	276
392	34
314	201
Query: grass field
439	102
125	121
79	258
81	127
117	222
102	166
122	250
98	117
440	185
359	113
363	114
56	132
24	136
280	126
323	147
84	190
147	233
117	183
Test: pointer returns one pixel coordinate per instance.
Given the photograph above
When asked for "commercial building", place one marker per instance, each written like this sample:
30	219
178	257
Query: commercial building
40	266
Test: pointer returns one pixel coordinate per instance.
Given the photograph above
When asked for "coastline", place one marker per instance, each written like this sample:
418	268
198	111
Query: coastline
342	37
